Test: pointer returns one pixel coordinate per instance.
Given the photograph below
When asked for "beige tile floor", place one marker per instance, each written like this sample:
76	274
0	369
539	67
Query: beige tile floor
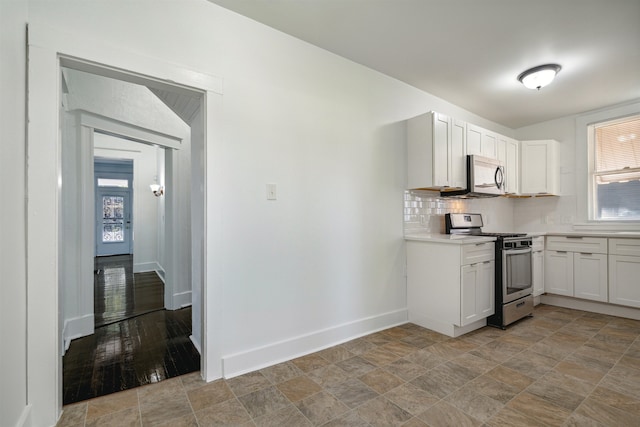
560	368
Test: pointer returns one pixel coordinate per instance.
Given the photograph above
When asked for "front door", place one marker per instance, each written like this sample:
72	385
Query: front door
113	221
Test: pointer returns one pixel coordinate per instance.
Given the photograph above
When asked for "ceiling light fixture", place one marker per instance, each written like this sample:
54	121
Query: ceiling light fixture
540	76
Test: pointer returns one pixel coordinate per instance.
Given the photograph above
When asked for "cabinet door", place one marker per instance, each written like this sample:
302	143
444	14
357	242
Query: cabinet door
458	152
624	280
512	166
477	292
474	139
485	297
558	273
469	287
590	276
489	144
441	129
538	174
537	267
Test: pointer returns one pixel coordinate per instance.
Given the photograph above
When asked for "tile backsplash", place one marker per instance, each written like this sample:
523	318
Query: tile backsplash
424	211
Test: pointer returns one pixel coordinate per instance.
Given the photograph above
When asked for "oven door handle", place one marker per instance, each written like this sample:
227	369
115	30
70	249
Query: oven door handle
516	251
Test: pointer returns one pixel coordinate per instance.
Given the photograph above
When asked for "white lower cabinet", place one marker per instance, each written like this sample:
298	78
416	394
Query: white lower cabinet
577	267
478	292
537	265
624	272
537	272
590	276
450	287
558	272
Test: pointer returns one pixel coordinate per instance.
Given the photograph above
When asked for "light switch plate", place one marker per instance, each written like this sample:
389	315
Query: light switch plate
271	192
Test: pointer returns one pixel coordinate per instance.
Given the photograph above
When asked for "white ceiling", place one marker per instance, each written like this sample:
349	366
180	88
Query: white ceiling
469	52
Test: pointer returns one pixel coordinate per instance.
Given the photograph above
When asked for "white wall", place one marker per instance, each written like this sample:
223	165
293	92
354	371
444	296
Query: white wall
13	368
76	268
324	262
197	225
125	102
562	213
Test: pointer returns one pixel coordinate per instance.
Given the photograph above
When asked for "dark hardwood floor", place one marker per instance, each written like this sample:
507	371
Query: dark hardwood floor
120	294
136	341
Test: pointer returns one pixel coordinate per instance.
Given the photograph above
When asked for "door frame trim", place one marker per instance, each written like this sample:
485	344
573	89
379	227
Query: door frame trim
47	51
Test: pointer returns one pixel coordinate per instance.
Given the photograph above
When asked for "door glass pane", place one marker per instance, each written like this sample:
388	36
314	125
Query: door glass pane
109	182
518	272
112	219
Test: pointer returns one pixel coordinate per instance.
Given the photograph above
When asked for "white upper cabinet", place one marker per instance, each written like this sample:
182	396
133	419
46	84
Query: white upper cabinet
508	150
481	141
458	150
539	167
436	151
489	144
474	139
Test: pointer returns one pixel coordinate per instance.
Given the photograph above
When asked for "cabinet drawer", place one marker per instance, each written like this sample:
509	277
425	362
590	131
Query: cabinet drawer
630	247
591	245
537	243
480	252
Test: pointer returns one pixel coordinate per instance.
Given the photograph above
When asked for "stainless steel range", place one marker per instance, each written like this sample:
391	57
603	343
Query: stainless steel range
513	275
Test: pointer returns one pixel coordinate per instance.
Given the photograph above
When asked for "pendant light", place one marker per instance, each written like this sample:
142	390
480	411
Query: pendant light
540	76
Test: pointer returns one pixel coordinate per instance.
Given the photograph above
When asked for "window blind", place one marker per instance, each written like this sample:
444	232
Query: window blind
617	170
618	146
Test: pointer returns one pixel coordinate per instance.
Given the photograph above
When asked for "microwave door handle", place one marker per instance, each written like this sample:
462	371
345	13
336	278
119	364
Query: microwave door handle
499	181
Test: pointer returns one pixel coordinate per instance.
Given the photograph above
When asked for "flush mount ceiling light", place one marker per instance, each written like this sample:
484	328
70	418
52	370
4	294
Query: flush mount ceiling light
540	76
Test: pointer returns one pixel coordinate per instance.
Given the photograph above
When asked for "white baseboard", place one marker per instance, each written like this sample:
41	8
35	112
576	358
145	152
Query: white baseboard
181	300
77	327
25	417
592	306
196	344
271	354
142	267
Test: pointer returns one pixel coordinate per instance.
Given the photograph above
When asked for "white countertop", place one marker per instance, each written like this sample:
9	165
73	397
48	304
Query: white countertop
609	234
455	239
460	239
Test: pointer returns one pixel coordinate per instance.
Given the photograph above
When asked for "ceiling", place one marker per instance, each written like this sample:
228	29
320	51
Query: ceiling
470	52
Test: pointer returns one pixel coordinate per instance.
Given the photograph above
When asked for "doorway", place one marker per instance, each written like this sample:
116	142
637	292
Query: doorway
130	235
48	50
114	207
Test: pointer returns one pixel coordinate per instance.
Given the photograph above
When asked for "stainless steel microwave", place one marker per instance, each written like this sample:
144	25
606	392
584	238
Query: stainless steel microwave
485	178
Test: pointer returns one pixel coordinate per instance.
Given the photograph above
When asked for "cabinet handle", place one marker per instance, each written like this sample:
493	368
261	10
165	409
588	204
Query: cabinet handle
520	304
480	244
586	253
561	252
487	262
574	237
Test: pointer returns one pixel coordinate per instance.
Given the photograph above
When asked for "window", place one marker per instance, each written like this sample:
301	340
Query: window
615	170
